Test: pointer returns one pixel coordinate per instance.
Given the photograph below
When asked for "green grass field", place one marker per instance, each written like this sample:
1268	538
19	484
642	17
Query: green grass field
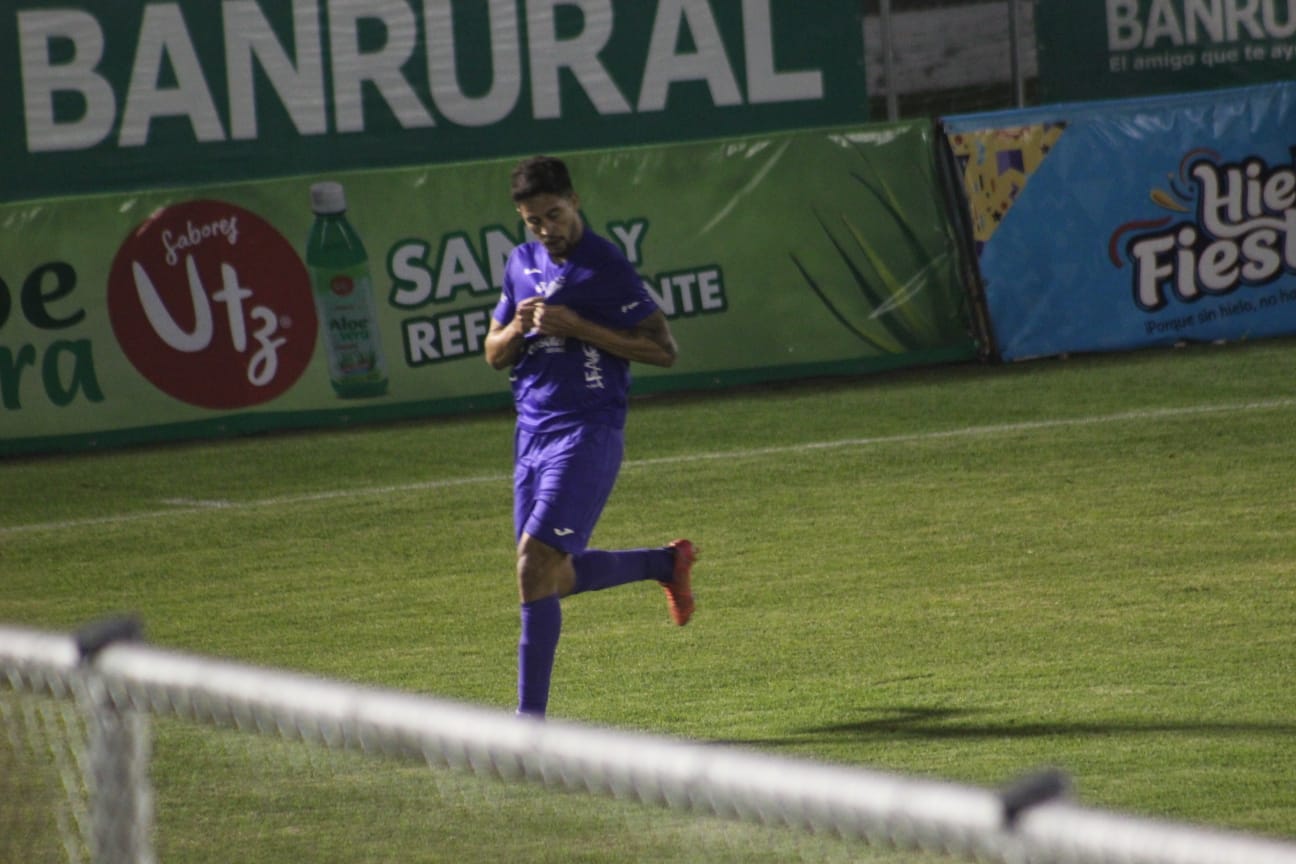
963	573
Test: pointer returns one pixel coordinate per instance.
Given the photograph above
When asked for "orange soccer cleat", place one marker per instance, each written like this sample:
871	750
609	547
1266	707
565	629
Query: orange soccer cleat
679	591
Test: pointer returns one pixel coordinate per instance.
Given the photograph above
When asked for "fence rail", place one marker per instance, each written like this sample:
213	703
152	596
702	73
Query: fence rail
117	683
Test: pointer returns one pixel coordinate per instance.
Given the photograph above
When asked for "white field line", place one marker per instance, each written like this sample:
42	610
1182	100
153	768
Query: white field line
180	506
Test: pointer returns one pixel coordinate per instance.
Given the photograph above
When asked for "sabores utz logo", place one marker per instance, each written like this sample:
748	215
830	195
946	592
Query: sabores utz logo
212	305
1237	228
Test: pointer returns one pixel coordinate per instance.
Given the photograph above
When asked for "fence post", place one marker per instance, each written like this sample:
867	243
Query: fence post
1015	38
888	59
119	747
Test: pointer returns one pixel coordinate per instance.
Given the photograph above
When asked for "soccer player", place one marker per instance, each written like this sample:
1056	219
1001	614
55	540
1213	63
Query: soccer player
572	316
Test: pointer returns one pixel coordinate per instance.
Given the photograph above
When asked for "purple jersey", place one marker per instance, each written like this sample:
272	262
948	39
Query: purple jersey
563	383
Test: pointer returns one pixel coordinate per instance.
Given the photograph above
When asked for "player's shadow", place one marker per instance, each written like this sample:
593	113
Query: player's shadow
953	724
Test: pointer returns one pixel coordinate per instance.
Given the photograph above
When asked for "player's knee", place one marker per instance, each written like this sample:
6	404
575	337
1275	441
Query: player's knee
539	569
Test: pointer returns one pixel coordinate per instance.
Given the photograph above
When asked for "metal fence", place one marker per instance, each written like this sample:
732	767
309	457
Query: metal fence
927	57
106	688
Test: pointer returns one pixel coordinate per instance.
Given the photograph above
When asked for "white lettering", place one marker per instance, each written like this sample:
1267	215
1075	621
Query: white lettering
1217	266
708	63
163	35
1151	268
420	342
265	362
1286	29
457	333
1162	21
458	269
476	326
689	293
413	278
41	79
1179	23
451	329
1225	202
1262	259
71	103
764	84
711	290
1280	192
160	319
579	55
630	237
194	236
232	295
505	53
1124	31
593	368
249	38
1241	15
382	68
1210	14
1245	234
499	245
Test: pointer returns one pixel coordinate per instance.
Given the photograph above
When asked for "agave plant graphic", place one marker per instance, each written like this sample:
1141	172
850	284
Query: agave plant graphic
873	274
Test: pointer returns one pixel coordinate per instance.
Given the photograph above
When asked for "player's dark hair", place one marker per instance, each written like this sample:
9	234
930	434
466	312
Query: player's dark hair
541	175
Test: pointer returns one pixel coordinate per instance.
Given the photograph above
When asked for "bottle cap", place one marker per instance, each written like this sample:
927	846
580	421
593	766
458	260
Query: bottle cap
328	197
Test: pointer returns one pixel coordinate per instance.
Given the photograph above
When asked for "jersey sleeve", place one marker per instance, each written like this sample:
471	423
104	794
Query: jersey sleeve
630	302
507	305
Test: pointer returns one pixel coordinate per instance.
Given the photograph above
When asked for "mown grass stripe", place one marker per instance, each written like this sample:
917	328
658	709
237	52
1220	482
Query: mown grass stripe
179	507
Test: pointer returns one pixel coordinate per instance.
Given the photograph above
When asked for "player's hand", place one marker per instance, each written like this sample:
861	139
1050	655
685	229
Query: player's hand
525	314
557	320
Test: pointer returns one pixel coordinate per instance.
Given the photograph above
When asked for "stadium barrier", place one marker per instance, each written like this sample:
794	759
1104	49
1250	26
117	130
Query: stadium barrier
1118	225
157	315
98	690
1104	226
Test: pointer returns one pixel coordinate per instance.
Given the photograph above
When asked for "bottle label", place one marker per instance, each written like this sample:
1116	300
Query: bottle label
349	325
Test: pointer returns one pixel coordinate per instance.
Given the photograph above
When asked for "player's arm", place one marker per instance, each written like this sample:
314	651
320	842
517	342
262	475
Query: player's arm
505	342
649	341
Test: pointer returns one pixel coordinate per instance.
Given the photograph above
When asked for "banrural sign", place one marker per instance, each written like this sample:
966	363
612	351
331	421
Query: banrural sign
1097	49
145	93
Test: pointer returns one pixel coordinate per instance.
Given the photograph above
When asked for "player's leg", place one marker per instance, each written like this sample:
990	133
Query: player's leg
561	485
537	569
557	501
595	459
541	570
597	569
577	480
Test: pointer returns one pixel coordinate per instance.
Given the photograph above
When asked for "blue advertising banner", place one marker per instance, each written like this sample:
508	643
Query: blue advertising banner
1110	226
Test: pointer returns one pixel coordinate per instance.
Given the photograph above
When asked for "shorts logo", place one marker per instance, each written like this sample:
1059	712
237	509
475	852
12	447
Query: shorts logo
563	532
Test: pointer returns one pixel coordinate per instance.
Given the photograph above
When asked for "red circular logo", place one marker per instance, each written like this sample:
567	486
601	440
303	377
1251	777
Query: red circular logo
342	286
212	305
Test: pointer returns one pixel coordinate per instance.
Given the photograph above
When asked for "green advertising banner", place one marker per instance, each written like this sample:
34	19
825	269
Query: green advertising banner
1103	49
131	94
202	311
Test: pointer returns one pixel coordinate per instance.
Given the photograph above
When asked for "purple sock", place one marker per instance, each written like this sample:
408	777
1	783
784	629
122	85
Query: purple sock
541	624
596	569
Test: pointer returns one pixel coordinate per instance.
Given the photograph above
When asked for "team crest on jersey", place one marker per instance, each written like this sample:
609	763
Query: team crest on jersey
548	289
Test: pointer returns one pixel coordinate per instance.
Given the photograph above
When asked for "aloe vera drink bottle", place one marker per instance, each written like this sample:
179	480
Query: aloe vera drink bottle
344	298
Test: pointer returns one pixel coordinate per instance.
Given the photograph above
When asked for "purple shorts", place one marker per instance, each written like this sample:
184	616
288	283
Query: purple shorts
561	481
